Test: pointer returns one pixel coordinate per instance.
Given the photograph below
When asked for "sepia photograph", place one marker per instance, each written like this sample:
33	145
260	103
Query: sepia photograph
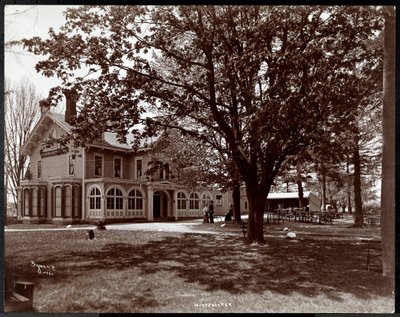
199	159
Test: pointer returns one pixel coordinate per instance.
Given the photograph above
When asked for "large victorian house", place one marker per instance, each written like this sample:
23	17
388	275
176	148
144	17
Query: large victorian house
108	180
105	180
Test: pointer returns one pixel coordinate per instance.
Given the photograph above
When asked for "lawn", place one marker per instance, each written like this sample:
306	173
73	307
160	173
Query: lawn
324	270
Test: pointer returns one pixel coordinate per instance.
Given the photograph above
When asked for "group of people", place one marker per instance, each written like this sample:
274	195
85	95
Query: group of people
208	212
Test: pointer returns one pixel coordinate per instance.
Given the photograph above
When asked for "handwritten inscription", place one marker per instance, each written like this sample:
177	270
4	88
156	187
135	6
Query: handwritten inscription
43	269
212	305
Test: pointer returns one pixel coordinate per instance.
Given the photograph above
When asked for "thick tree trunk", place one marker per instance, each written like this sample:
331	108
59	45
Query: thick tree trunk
359	218
301	194
388	158
255	227
236	203
300	187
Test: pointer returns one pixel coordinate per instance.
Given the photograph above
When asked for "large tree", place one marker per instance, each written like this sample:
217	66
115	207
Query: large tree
388	159
269	81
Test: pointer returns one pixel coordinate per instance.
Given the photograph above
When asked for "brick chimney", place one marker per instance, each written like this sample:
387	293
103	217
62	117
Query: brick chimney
70	111
44	107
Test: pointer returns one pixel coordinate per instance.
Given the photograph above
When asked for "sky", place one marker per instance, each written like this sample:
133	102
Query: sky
26	21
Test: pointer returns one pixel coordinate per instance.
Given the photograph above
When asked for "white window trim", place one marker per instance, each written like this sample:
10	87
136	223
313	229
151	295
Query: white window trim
95	196
94	164
135	197
122	166
178	199
194	200
221	200
114	197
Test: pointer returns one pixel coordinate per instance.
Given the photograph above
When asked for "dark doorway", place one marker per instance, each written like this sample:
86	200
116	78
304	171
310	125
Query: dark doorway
157	205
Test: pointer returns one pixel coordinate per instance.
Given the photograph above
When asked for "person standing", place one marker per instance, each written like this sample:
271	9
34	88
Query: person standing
211	212
228	216
205	212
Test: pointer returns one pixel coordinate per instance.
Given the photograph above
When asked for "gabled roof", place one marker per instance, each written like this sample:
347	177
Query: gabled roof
41	126
110	139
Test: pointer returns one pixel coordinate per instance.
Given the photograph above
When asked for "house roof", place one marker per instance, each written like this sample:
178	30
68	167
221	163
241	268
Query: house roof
41	126
291	195
110	139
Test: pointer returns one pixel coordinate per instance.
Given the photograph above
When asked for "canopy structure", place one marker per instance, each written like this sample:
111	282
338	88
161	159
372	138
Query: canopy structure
291	199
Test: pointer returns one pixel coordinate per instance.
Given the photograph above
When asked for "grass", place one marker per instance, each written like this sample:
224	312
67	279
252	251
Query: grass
324	270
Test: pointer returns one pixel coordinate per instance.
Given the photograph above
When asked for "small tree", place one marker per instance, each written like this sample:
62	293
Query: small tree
21	112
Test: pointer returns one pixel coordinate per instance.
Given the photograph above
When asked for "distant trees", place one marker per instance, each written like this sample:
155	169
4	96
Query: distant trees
265	82
21	112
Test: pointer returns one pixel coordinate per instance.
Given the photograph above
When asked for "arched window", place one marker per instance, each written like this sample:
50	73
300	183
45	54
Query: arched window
181	199
95	199
67	201
58	201
42	199
26	202
114	199
34	192
194	201
135	200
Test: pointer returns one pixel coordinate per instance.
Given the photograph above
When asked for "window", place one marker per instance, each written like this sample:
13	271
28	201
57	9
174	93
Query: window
98	165
39	169
218	198
67	201
95	199
138	168
26	202
166	171
163	171
42	207
71	165
58	201
194	201
118	167
181	199
135	200
114	199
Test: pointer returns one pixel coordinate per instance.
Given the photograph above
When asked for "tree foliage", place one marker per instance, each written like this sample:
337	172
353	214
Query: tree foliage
259	83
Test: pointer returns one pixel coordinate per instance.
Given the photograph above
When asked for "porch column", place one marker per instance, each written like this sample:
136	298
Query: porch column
150	207
103	205
172	205
19	203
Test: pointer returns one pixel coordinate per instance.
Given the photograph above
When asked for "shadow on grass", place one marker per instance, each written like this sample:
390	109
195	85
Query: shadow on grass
308	266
